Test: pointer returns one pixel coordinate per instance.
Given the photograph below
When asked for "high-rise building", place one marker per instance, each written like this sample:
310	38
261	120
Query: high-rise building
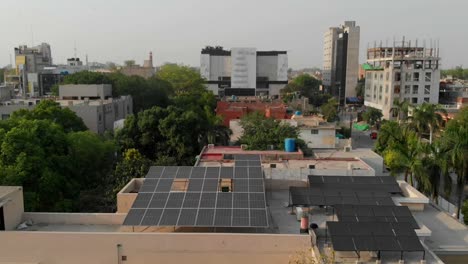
29	62
244	71
341	60
402	72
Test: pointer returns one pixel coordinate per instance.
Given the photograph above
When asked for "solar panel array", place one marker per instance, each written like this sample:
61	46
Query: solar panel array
373	237
375	214
349	190
202	204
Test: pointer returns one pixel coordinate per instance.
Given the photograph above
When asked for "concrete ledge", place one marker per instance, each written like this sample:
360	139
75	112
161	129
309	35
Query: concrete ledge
413	198
75	218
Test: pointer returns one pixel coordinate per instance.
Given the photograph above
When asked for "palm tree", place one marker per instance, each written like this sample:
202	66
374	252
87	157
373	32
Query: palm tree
435	166
454	143
401	108
390	133
427	117
403	155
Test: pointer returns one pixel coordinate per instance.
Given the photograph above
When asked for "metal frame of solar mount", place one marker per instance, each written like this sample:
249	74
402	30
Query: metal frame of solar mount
377	236
354	190
202	204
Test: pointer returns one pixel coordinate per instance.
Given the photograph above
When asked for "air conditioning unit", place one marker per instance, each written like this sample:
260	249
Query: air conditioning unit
311	166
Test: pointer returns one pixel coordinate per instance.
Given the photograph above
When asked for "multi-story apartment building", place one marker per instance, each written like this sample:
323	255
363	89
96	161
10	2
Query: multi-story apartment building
341	60
30	61
244	71
401	72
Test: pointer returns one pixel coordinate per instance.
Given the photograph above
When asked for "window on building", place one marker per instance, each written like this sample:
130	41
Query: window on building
375	76
387	76
428	76
386	88
100	118
179	185
415	89
396	89
426	99
397	76
314	131
380	97
380	89
386	100
427	64
407	89
414	100
375	88
225	185
381	76
416	76
408	77
427	89
369	76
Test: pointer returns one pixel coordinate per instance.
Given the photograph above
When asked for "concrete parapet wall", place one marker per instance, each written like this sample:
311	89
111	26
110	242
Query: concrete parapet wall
75	218
107	248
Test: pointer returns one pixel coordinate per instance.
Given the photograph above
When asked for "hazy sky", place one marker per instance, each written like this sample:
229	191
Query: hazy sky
176	30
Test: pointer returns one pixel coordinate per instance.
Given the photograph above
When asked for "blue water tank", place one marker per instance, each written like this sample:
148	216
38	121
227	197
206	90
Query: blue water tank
290	145
298	113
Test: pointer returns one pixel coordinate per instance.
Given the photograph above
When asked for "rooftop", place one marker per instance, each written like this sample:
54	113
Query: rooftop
355	152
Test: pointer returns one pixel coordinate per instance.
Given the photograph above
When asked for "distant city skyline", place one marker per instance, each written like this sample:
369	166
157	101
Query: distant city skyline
176	31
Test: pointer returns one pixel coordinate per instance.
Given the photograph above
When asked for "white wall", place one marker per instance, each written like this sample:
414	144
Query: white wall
244	66
325	138
282	74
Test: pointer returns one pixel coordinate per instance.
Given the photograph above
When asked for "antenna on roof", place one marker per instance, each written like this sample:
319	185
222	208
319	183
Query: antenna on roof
74	48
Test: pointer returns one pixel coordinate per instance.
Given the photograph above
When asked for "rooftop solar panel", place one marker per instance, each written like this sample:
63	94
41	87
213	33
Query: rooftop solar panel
343	243
202	196
365	243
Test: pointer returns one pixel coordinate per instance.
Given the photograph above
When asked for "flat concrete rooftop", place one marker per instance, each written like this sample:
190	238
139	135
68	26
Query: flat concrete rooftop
357	152
72	228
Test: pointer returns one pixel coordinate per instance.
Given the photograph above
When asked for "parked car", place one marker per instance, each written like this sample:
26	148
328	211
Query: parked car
373	135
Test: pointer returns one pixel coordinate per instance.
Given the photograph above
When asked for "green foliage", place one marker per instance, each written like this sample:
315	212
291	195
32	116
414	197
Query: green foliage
458	72
345	131
465	212
454	145
260	132
2	74
145	93
47	152
307	86
426	118
133	165
329	110
182	78
50	110
372	115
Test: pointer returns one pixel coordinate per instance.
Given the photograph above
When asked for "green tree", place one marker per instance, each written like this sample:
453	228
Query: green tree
457	72
50	110
465	212
427	118
132	165
182	78
145	93
329	110
34	155
401	108
307	86
260	132
372	115
2	75
454	143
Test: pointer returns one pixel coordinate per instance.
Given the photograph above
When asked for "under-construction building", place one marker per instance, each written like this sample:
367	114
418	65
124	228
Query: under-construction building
403	71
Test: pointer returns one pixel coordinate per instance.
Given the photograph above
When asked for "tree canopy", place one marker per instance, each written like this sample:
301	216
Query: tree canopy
458	72
260	132
307	86
146	93
182	78
330	110
372	115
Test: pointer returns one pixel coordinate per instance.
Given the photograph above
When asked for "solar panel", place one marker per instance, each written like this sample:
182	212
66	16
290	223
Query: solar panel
152	217
343	243
187	217
410	243
364	243
134	216
202	196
